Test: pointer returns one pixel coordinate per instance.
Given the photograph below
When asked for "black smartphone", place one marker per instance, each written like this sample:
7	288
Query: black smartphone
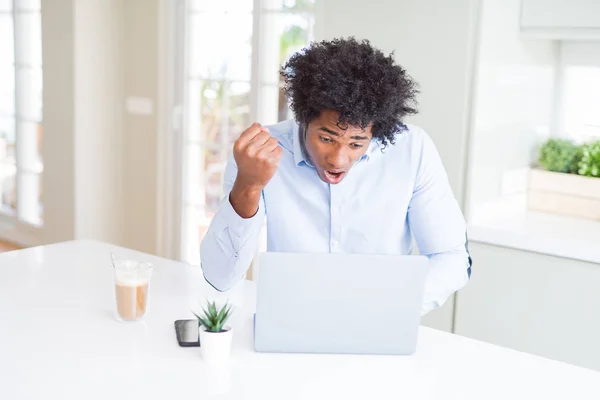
187	332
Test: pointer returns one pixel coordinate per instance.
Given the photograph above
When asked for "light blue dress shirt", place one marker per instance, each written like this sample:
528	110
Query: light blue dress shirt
388	197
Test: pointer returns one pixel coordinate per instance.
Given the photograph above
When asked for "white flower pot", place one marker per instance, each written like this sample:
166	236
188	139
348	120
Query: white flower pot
215	347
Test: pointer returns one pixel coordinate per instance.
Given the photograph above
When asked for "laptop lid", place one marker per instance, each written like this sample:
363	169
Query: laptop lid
339	303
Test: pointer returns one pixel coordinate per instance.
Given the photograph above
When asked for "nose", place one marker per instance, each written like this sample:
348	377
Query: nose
337	158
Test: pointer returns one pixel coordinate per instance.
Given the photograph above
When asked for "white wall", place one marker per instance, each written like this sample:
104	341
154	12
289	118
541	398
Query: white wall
98	119
435	41
140	134
82	120
513	103
100	163
58	146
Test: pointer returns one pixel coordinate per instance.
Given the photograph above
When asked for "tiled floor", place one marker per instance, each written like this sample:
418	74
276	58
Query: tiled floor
4	246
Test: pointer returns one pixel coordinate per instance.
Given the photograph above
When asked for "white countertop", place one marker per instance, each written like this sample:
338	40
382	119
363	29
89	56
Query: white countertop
507	222
59	340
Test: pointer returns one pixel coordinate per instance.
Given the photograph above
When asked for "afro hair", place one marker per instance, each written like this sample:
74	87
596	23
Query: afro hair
355	79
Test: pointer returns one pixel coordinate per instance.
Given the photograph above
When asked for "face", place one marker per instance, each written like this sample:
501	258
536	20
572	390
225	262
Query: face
332	149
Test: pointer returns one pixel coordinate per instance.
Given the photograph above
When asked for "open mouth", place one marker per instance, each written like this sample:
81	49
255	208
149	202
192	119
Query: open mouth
333	177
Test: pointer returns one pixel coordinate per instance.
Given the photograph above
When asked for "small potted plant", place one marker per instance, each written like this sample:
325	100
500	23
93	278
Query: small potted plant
215	334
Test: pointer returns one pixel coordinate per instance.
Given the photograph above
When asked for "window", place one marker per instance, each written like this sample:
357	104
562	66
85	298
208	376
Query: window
21	164
233	52
580	103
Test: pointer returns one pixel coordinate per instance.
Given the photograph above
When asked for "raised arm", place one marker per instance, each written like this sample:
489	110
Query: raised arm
232	238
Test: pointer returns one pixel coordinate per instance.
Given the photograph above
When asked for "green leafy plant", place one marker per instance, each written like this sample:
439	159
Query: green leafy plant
560	155
214	318
590	160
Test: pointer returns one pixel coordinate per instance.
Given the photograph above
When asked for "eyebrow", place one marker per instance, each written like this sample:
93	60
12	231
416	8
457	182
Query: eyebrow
334	133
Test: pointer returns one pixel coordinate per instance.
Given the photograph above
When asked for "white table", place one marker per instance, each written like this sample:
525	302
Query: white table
59	340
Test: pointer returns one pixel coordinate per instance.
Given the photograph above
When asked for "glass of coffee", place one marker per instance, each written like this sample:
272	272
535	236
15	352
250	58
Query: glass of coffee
131	288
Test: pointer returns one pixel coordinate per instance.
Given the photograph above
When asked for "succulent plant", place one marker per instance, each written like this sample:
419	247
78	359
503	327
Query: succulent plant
590	160
560	155
214	318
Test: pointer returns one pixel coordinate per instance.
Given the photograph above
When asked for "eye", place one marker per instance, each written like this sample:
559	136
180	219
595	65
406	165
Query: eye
325	139
356	146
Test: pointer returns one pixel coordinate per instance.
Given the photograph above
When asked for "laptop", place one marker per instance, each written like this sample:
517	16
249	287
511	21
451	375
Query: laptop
339	303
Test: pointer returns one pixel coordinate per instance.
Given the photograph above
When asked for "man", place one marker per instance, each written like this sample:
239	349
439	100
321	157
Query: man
346	176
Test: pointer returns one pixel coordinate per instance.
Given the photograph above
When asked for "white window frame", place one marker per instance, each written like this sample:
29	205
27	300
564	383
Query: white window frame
13	228
171	32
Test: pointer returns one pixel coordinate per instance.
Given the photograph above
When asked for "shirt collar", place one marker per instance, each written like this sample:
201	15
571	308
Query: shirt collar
298	153
300	157
374	145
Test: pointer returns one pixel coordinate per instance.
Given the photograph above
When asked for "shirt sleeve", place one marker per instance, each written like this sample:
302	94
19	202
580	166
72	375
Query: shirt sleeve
438	227
231	241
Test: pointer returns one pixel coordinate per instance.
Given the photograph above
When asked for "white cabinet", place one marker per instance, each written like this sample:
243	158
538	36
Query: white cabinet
561	19
440	318
536	303
560	14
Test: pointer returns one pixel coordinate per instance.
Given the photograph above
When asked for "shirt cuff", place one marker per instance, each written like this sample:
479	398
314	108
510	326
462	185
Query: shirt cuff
237	225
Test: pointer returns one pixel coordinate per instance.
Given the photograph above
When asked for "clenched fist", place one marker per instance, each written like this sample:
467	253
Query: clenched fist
257	156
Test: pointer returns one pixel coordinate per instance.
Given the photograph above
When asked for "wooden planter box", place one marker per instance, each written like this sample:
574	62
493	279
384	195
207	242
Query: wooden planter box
566	194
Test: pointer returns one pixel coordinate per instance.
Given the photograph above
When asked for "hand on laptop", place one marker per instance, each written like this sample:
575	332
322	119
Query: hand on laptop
257	156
